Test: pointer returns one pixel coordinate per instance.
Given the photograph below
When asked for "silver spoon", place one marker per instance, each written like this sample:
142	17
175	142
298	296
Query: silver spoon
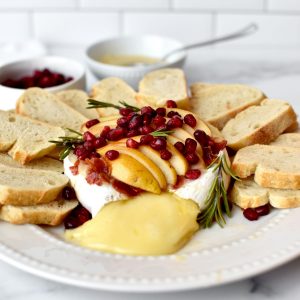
250	29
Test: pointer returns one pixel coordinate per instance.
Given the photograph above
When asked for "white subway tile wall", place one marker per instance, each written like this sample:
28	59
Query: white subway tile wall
76	23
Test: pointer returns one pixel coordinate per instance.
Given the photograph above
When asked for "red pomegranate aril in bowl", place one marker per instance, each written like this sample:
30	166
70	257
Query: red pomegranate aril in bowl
201	137
190	120
159	120
135	122
165	154
146	129
88	136
68	193
192	158
89	145
158	144
91	123
161	111
147	110
116	134
190	145
175	122
146	139
171	104
122	122
125	111
105	131
263	210
192	174
180	147
147	119
99	142
250	214
131	143
112	154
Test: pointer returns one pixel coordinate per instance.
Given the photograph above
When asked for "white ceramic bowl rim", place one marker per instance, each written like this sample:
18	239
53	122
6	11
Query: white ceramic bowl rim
133	38
46	61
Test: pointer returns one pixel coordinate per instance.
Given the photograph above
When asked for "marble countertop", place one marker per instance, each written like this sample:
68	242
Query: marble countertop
277	73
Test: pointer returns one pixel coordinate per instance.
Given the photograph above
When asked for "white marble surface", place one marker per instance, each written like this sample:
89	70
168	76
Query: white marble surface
278	74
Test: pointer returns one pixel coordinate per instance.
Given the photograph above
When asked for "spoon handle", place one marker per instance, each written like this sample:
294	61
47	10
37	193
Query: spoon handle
251	28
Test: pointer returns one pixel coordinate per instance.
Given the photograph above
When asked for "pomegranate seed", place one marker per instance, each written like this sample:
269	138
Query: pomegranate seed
125	111
161	111
192	158
146	139
89	145
171	104
180	147
78	216
88	136
147	119
172	114
162	127
179	182
216	147
135	122
91	123
158	144
122	122
131	143
131	115
175	122
147	110
105	131
68	193
201	137
159	120
190	120
250	214
146	129
116	134
95	155
112	154
192	174
190	145
81	152
263	210
99	142
132	132
165	154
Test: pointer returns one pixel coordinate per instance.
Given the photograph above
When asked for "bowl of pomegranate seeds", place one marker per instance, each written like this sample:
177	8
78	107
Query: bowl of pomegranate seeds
131	57
48	72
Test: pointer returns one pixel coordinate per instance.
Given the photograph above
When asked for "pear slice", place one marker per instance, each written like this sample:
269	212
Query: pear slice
136	175
141	158
177	161
200	124
96	129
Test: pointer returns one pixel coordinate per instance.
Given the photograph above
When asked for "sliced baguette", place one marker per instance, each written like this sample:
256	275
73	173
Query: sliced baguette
23	186
25	138
218	103
161	85
52	213
113	90
259	124
293	128
41	105
247	193
44	163
272	166
77	99
288	140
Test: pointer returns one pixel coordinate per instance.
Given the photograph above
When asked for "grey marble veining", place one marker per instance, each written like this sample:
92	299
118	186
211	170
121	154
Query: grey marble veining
278	76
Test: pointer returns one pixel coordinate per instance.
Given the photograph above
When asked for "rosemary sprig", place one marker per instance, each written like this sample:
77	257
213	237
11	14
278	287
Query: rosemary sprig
217	193
92	103
161	133
68	143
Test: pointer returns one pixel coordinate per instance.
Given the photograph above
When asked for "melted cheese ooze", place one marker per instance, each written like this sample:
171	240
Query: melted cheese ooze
149	224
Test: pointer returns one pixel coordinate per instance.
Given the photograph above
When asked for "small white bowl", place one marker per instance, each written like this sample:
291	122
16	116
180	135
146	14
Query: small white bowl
148	45
18	69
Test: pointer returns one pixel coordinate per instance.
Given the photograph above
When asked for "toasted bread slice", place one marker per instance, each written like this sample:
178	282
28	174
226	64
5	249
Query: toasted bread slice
164	84
259	124
44	163
288	140
25	138
113	90
52	213
218	103
43	106
23	186
272	166
77	99
247	193
293	128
